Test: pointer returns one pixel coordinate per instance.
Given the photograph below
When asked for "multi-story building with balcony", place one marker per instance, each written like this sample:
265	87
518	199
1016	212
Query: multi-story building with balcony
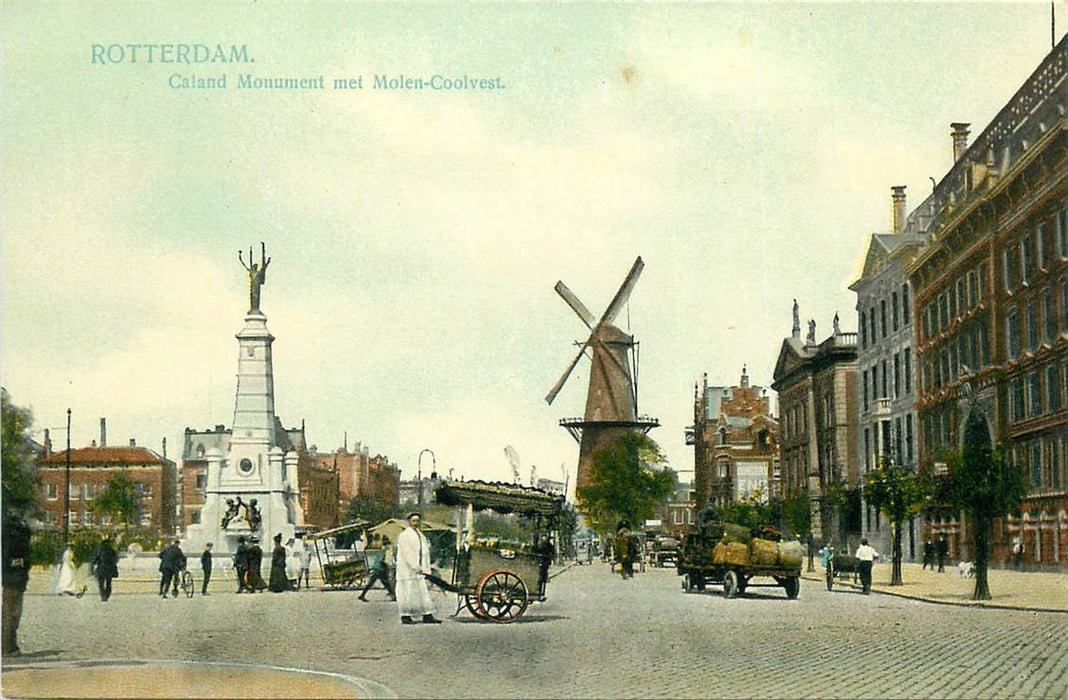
817	415
991	291
736	442
886	360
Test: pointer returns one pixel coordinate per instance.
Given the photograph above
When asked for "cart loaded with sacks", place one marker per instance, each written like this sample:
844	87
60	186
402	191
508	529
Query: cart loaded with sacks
497	581
731	556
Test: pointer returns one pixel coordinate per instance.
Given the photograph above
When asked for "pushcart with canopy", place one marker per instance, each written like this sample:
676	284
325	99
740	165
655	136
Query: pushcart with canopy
496	581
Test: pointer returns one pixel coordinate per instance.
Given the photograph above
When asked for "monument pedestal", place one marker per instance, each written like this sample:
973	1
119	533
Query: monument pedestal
254	474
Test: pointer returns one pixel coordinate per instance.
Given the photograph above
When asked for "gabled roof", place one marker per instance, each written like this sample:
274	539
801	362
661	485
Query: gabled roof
792	355
105	456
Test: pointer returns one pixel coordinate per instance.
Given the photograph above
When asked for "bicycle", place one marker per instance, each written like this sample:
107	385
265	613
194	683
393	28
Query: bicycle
186	583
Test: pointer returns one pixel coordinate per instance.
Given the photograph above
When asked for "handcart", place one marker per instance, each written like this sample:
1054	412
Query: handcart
341	569
497	582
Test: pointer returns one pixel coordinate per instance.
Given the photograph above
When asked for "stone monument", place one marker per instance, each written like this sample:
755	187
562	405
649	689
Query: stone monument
252	489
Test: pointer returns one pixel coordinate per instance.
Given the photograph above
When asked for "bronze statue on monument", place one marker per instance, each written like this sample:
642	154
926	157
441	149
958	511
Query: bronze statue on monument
257	276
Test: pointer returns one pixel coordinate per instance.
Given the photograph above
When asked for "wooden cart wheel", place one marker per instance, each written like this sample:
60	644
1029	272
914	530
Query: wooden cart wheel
471	603
742	582
792	586
501	596
686	586
730	585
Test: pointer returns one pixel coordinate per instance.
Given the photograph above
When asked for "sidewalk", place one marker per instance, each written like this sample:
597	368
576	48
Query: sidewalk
1010	589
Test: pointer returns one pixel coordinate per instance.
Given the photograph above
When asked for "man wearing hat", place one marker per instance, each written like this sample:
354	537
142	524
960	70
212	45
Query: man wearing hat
413	565
241	565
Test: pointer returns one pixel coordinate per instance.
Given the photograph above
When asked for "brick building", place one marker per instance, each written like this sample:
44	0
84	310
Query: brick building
887	362
992	297
818	411
361	475
735	441
90	470
677	515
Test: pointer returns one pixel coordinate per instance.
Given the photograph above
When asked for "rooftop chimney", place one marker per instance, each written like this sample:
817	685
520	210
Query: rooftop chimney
898	197
47	442
745	377
133	443
960	139
103	432
795	330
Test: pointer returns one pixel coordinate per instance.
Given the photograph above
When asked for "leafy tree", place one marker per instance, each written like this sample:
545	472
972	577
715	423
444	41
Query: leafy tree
18	457
985	486
796	514
751	512
627	480
900	494
370	509
120	500
566	524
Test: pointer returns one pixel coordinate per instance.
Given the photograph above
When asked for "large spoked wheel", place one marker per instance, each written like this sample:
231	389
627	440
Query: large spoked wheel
730	585
501	596
471	603
792	585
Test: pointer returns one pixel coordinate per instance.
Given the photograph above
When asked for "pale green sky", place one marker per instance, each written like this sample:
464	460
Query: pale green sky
745	151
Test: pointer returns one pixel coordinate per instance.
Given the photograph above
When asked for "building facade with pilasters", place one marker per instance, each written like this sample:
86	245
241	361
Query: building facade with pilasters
991	295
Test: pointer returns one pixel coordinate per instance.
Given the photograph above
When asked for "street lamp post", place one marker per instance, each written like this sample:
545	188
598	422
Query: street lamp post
66	491
419	463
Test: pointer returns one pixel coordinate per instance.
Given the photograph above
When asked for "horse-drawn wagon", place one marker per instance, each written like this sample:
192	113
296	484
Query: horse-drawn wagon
729	555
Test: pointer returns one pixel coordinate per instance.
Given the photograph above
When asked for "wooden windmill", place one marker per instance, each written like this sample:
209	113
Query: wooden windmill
612	398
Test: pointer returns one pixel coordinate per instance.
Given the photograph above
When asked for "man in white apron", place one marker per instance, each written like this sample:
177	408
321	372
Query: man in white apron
413	564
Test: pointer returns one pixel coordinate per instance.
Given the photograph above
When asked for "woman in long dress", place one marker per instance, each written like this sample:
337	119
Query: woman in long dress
279	582
65	578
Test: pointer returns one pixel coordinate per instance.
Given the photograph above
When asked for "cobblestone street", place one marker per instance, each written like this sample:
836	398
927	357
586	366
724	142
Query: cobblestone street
596	636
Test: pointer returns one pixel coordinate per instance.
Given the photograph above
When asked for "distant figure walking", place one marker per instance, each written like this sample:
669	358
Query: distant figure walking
171	562
380	570
205	567
255	567
305	563
106	567
1017	551
866	556
624	550
928	554
279	582
241	566
942	549
65	577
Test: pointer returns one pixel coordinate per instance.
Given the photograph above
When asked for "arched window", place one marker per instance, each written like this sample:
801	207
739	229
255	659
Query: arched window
723	436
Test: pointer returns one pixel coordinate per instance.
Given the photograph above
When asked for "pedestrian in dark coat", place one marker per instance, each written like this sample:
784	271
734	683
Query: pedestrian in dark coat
105	567
172	561
241	565
255	562
279	580
205	567
16	555
942	548
928	554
